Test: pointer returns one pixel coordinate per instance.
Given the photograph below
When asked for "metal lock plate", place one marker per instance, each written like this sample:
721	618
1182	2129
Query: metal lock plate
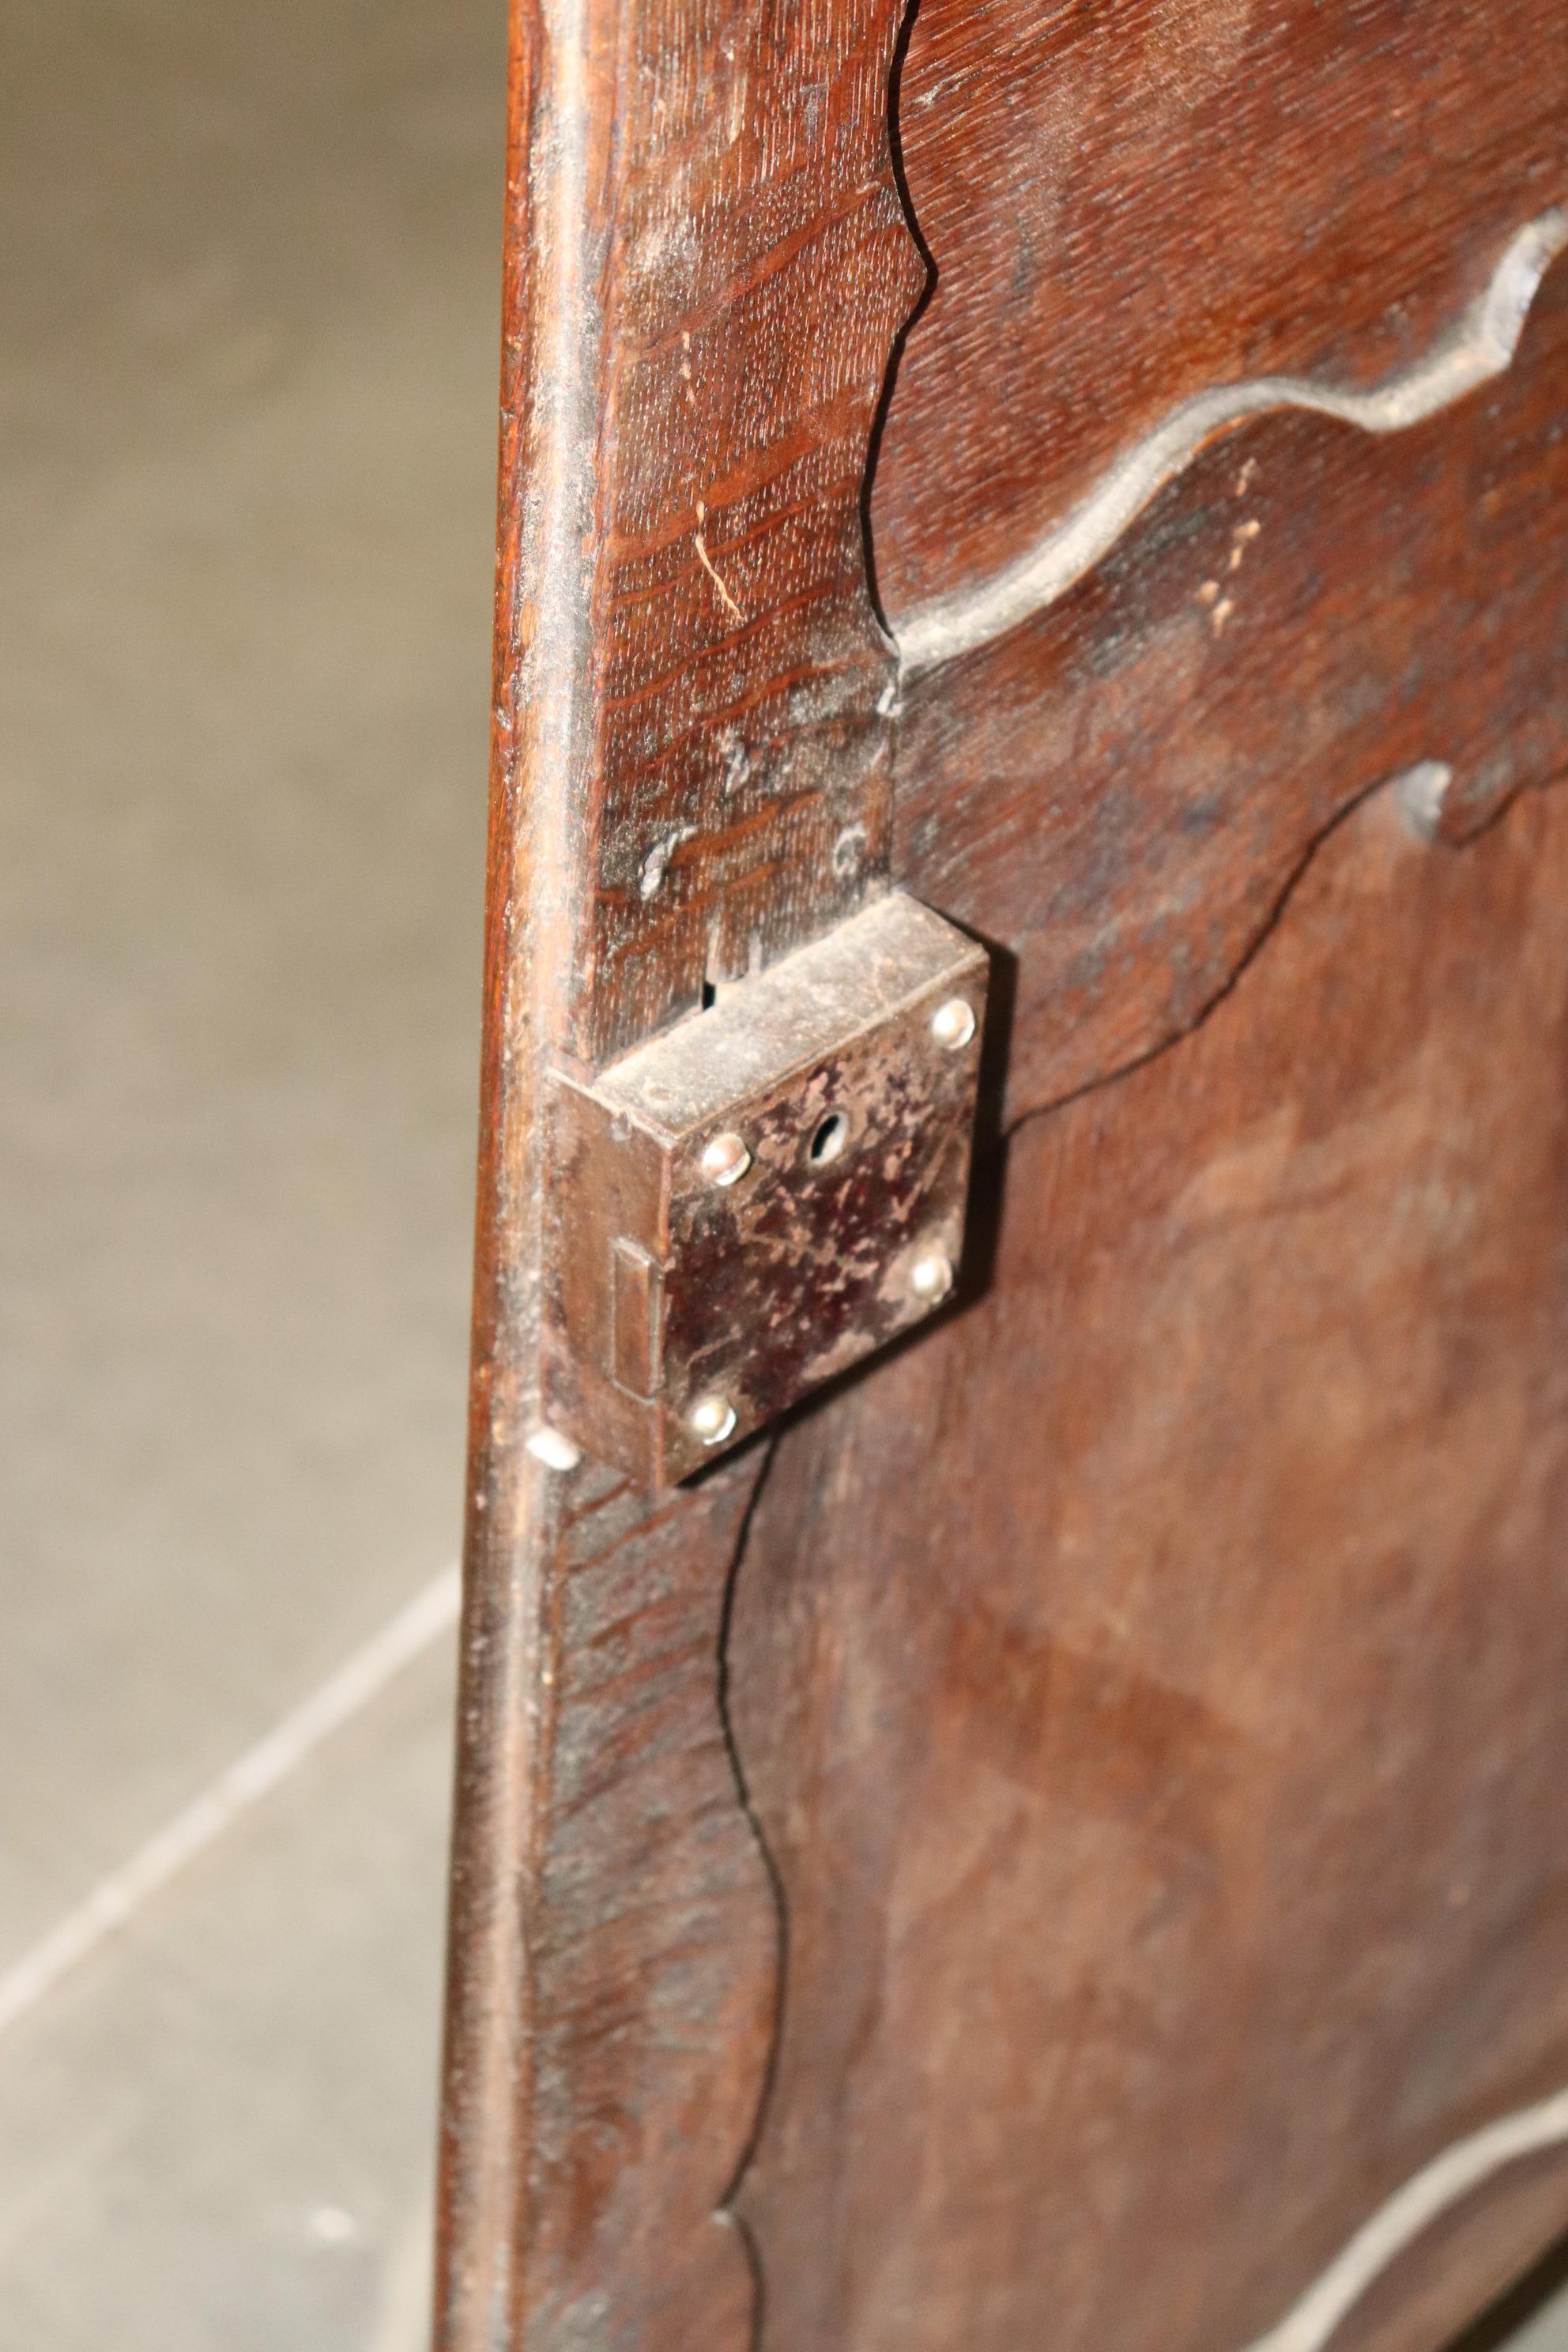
762	1195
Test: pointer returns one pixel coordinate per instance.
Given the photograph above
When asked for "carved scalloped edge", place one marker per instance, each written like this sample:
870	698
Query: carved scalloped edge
593	1612
1421	793
1480	346
1468	2163
1436	2190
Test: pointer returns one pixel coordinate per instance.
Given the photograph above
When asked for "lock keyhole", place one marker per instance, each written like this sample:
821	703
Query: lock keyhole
828	1140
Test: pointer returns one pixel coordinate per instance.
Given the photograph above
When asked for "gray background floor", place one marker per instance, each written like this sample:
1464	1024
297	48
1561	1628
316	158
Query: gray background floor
247	376
248	383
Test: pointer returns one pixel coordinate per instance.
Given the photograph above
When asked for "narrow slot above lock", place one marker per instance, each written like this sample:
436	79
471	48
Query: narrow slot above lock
762	1195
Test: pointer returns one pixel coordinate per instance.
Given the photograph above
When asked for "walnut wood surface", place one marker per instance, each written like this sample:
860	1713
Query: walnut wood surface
689	772
1464	2264
1127	203
1123	1671
614	1948
1118	792
1154	1687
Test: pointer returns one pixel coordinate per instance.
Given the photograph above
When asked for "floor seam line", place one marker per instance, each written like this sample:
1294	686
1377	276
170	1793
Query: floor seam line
255	1774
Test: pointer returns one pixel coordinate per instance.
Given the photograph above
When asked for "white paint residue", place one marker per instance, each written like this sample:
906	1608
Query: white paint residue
1479	348
650	881
253	1775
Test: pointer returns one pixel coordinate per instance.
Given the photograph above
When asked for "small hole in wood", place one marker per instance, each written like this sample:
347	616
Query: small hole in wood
831	1136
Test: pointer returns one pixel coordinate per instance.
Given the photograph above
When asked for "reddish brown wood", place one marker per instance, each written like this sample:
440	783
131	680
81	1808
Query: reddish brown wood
646	1962
733	798
1150	1681
1154	1687
666	1291
1479	2254
1127	203
1119	793
690	772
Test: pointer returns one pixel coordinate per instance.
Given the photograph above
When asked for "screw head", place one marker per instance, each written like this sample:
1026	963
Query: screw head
932	1277
952	1023
726	1159
713	1419
1420	792
554	1448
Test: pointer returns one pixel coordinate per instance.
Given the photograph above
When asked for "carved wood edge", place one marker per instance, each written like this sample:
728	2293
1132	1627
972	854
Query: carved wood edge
1458	2173
1411	801
1423	796
668	806
1479	347
689	777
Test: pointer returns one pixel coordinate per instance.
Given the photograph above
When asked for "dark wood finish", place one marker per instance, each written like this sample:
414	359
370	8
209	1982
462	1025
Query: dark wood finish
1148	1684
1154	1687
613	1943
1120	791
721	791
689	770
1127	203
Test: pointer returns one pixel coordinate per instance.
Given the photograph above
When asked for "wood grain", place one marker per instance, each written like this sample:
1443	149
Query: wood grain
736	665
1128	203
1119	793
1153	1686
1122	1670
690	774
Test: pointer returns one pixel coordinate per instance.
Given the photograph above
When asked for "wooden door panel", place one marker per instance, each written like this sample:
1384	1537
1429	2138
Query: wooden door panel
1119	791
682	472
613	1963
1128	204
690	770
1154	1688
1037	1848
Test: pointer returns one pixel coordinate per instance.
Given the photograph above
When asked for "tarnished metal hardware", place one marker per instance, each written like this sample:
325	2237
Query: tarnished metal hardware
760	1197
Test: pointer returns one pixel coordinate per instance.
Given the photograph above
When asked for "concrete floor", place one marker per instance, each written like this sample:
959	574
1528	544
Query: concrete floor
248	383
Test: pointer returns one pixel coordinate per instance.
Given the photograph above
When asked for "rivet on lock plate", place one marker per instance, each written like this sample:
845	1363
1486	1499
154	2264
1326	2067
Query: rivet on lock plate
762	1195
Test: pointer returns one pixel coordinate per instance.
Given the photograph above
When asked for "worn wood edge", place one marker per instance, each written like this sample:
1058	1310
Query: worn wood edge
522	1505
1477	348
716	844
1480	2160
1450	2177
514	1507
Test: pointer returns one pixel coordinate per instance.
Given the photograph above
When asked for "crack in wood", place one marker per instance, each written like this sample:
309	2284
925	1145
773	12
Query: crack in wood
1399	785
